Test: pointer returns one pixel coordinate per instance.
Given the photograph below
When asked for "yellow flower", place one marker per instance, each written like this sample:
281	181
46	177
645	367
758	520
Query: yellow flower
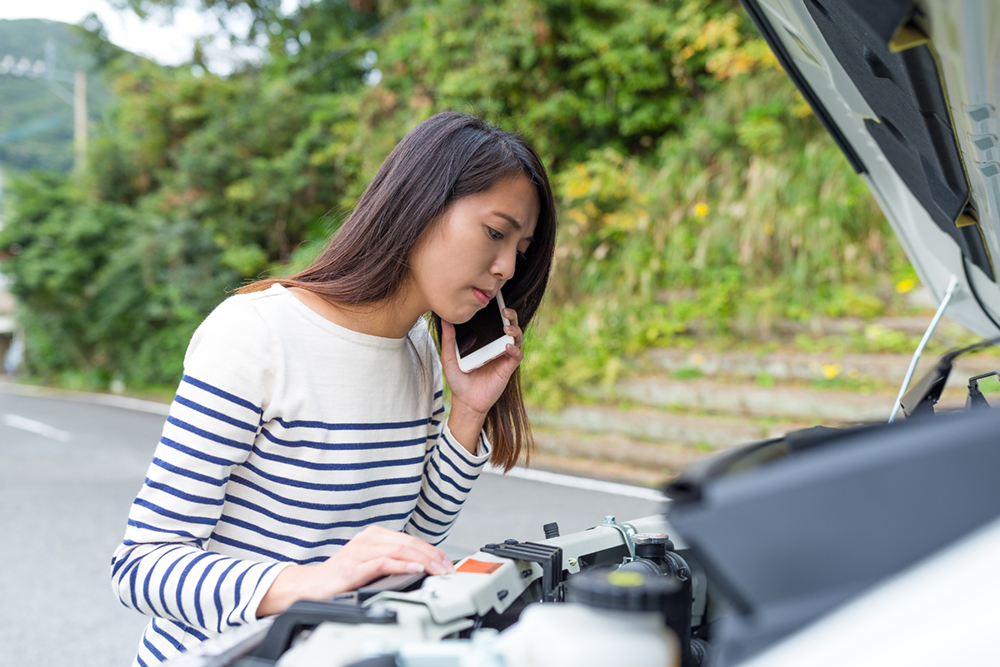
831	371
701	210
904	286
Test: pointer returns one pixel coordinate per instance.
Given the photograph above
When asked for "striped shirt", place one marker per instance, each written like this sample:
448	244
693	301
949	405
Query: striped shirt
287	436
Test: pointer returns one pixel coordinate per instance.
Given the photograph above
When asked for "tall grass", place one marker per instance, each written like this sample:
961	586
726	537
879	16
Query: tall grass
750	215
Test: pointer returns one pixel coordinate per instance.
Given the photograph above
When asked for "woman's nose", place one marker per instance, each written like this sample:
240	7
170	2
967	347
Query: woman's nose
503	266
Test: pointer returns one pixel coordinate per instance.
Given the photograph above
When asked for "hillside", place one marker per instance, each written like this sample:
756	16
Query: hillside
36	125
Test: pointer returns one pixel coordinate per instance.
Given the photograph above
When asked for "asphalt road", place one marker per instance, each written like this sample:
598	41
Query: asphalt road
68	473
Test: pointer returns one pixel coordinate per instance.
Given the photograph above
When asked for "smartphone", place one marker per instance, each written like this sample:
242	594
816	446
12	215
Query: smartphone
482	338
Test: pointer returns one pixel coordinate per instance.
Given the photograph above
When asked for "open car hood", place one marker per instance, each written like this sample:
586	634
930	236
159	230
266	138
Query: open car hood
910	91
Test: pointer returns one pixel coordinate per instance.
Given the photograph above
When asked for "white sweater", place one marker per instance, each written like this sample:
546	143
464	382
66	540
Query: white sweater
287	436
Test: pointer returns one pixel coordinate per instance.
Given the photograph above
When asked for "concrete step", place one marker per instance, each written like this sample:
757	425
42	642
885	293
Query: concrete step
701	432
799	405
889	369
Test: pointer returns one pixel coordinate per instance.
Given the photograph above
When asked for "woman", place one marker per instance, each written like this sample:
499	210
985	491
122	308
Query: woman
306	452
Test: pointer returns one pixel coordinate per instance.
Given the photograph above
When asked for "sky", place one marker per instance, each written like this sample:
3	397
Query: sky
167	42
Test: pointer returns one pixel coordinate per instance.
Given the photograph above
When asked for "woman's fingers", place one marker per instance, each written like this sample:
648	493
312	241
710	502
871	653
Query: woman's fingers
513	329
375	541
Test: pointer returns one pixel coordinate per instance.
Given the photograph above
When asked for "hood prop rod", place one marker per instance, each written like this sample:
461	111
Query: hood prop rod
953	286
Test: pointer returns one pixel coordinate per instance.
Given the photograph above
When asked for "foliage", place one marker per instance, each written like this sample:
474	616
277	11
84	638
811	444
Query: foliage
697	193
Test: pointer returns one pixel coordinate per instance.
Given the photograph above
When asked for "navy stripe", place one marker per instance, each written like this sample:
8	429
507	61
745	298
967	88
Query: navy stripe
437	412
232	398
163	585
345	446
190	474
435	505
312	524
262	575
157	529
309	561
208	412
372	426
435	422
202	520
208	435
236	603
196	454
173	642
324	507
180	583
444	457
128	567
358	486
439	393
246	525
197	592
141	662
461	455
218	592
192	631
427	518
131	585
441	493
314	465
116	564
149	576
152	649
449	479
428	532
274	555
177	493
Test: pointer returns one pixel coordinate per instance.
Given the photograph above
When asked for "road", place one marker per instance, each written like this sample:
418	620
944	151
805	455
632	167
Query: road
68	473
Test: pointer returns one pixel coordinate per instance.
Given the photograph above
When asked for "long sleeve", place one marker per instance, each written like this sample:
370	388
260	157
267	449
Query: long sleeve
449	473
162	567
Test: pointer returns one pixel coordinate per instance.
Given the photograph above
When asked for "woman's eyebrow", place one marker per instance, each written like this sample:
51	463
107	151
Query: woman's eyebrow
510	219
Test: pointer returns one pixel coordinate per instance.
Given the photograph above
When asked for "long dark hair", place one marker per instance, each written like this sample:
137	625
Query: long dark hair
448	156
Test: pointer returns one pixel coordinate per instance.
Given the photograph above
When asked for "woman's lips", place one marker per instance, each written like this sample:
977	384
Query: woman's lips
484	298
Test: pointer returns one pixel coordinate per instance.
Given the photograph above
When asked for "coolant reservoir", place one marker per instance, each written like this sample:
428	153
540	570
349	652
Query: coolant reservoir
613	618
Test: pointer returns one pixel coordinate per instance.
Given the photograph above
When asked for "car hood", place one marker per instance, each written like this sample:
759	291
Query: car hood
910	91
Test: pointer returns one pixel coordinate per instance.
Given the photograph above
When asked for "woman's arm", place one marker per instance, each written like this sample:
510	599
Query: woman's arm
162	567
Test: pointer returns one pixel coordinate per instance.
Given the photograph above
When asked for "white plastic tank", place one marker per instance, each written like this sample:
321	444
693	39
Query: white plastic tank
614	622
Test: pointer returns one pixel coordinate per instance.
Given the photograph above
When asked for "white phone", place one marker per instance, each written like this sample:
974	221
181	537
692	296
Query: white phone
482	338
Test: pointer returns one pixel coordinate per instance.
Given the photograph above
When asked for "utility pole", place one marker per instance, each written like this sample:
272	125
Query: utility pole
47	73
80	122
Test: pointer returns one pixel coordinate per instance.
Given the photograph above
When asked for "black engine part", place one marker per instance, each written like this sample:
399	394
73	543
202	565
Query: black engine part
788	532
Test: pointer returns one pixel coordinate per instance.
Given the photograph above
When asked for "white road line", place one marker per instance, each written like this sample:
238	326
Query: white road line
151	407
38	428
135	404
584	483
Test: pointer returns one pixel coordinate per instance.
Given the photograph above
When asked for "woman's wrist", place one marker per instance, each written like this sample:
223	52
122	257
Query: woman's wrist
286	589
465	425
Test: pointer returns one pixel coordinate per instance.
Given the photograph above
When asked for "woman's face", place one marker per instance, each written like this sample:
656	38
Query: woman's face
463	258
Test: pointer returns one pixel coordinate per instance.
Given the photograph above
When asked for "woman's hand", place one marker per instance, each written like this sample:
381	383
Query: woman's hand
373	553
473	394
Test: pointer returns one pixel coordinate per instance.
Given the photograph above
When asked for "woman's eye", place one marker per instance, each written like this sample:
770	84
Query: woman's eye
495	235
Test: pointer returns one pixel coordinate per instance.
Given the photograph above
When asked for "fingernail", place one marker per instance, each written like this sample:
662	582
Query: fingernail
435	568
507	312
414	567
448	566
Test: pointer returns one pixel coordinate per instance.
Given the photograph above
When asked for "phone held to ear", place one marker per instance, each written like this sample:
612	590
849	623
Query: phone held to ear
482	338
